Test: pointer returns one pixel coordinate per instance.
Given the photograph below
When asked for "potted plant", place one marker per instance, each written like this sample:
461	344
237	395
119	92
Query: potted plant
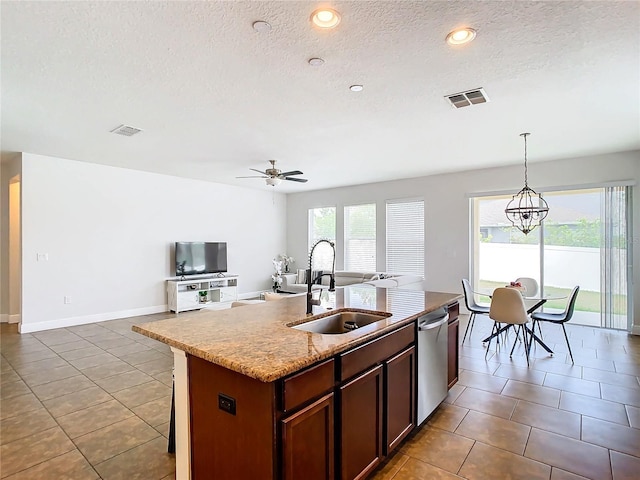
203	296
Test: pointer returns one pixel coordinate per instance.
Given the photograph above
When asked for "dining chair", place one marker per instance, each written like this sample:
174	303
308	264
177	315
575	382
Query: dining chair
472	306
507	306
559	318
530	284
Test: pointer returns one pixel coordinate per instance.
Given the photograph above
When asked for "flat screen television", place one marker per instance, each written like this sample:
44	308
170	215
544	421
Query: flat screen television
197	258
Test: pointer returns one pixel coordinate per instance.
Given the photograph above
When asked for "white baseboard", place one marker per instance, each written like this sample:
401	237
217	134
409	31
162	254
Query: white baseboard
26	327
15	318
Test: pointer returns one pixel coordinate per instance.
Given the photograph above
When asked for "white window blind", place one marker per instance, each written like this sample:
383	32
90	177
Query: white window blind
405	237
322	225
360	237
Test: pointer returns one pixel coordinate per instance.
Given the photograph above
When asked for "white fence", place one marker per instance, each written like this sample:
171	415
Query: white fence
564	267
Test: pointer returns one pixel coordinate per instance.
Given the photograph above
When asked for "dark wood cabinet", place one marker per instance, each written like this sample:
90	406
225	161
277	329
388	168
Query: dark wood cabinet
400	394
308	442
453	355
361	402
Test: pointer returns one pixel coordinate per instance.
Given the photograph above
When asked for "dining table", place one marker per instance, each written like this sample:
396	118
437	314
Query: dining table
532	304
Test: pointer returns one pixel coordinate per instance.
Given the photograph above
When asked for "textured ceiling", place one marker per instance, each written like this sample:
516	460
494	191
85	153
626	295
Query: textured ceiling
215	98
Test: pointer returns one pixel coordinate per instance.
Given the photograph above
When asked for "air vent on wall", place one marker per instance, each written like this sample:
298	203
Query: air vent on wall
126	130
470	97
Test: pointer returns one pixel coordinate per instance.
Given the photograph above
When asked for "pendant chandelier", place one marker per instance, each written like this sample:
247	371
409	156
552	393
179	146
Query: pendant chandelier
527	208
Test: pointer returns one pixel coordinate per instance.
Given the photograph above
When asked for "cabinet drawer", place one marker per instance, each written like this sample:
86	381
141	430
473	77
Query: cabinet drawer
363	357
307	385
454	311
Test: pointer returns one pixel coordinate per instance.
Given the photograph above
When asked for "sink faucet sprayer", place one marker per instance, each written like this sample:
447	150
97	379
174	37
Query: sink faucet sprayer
332	280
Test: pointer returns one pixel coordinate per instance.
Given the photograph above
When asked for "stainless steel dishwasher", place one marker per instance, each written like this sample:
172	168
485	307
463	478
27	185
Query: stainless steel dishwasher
432	361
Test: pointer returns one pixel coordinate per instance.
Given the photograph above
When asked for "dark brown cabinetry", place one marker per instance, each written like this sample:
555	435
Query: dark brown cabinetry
400	394
361	421
308	442
452	351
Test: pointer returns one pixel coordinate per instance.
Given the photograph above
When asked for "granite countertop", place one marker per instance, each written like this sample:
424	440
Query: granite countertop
257	341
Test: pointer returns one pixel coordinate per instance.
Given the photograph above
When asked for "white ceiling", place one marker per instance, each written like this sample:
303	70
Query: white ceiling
215	98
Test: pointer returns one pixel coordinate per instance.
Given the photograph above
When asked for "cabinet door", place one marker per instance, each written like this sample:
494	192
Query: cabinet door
452	353
307	442
361	424
400	394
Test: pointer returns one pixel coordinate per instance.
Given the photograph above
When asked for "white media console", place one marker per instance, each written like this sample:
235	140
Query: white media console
201	292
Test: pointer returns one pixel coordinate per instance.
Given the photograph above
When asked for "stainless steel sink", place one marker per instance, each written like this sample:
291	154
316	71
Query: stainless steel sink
343	321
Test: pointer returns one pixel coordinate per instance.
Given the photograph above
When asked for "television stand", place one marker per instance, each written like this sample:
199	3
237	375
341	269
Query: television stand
196	293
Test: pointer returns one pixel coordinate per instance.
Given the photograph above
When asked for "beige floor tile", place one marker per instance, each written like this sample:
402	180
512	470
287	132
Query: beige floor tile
572	384
8	375
123	380
22	426
92	418
390	467
486	402
612	378
41	365
108	370
548	365
438	447
489	463
89	351
58	388
19	405
32	450
75	401
596	363
547	418
559	474
146	392
56	337
155	412
494	431
110	441
68	347
13	389
628	396
634	416
447	417
22	358
143	357
594	407
165	377
532	393
112	340
482	381
156	366
628	368
163	429
46	376
611	435
147	461
69	466
129	348
453	393
569	454
522	374
415	469
625	467
93	360
479	365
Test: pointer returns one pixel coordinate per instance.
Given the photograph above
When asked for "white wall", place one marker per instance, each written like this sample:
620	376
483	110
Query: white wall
107	232
447	212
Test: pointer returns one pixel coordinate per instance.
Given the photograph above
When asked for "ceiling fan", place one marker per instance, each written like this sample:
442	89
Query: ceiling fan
274	176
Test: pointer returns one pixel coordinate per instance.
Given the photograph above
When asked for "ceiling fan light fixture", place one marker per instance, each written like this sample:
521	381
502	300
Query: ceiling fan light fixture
325	18
273	181
461	36
527	209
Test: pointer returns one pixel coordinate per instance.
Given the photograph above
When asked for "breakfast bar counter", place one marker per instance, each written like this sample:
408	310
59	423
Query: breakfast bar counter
246	381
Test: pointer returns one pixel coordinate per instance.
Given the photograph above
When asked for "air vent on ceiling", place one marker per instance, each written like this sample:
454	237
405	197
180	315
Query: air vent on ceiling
126	130
470	97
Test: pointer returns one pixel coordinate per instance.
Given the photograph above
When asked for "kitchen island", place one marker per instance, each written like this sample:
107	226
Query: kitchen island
256	398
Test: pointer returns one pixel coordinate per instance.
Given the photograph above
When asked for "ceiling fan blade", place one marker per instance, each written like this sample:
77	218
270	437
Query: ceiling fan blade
293	172
301	180
254	170
254	176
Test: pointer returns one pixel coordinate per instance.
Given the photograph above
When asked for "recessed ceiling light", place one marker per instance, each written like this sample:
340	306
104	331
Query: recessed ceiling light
325	18
316	62
460	36
261	26
356	88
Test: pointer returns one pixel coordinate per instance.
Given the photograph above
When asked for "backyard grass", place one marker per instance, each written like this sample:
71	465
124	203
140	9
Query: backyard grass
588	301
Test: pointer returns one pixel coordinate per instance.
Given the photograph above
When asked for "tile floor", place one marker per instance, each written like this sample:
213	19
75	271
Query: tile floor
92	402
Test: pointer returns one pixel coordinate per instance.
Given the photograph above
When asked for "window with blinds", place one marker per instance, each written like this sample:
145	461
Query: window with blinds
360	237
322	225
405	237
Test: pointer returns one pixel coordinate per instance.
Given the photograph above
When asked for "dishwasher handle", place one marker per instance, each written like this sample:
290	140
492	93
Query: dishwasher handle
430	325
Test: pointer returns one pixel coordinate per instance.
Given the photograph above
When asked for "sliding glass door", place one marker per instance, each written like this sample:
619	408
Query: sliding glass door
583	241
